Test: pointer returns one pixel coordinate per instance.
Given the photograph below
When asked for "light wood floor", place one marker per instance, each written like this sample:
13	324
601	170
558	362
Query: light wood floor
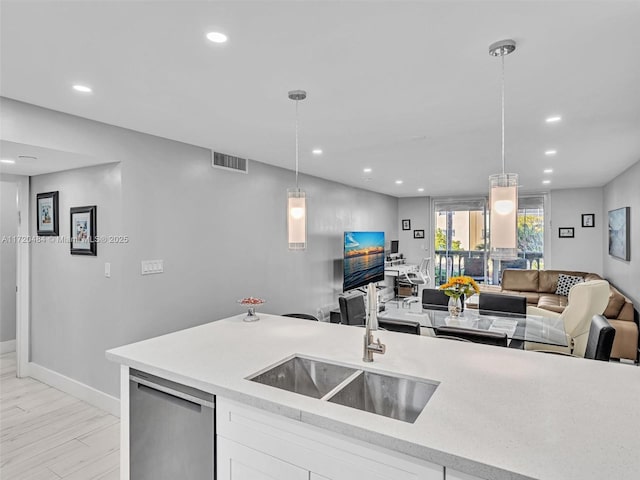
48	435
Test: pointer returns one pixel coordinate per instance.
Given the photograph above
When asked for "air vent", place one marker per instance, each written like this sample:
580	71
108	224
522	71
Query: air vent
229	162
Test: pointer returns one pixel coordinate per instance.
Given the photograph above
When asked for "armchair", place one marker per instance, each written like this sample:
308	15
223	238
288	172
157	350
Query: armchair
585	300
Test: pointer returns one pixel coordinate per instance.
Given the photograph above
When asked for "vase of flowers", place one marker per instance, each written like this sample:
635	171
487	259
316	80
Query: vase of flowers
455	288
251	303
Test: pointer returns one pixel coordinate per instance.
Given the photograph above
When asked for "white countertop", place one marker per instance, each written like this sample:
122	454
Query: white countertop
498	413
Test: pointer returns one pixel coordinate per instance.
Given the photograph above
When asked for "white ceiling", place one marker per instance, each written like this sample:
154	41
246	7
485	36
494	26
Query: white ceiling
406	88
40	160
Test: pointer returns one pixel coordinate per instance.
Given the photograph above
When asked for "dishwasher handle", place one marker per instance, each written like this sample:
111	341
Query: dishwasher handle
171	391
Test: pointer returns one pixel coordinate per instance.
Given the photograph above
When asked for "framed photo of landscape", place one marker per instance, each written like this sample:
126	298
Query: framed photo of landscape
47	214
83	231
619	233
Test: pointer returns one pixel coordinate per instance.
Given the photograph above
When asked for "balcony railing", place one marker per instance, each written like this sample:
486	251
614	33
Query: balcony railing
476	264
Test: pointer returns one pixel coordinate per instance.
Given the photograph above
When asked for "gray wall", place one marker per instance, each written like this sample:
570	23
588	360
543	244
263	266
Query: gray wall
585	251
222	236
623	191
418	210
8	251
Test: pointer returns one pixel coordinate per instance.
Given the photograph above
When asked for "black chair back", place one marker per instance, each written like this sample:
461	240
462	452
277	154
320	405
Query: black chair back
352	310
402	326
600	341
496	303
304	316
435	299
477	336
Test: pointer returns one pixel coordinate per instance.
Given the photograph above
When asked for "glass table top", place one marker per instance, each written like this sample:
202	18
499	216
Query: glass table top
529	328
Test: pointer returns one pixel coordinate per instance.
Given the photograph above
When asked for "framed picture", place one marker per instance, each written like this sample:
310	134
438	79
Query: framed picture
47	214
566	232
619	233
83	231
418	234
588	220
406	224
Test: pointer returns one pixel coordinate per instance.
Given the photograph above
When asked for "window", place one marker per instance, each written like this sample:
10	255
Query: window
461	243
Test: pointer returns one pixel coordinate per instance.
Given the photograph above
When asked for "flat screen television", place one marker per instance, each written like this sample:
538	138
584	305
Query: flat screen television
363	259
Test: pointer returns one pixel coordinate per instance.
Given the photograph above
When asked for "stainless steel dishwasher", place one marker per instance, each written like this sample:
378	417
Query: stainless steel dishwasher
172	430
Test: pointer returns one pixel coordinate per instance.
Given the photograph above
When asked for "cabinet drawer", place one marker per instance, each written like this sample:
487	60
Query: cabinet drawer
322	452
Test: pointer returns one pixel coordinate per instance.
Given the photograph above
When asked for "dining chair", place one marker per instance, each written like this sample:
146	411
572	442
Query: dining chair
498	339
496	303
585	300
304	316
600	340
402	326
352	309
435	299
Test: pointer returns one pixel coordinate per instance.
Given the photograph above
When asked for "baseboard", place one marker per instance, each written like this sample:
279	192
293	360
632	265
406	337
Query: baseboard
8	346
74	388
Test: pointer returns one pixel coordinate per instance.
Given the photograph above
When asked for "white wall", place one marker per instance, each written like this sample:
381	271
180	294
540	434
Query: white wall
8	251
585	251
418	210
222	236
624	191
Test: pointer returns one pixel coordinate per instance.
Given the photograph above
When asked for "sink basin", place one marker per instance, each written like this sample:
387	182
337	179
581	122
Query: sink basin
396	397
306	376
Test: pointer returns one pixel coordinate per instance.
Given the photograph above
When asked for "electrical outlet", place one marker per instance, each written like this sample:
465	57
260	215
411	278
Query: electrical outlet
149	267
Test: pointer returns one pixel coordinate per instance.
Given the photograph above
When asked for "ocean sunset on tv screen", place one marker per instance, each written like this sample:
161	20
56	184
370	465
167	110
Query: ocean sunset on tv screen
363	259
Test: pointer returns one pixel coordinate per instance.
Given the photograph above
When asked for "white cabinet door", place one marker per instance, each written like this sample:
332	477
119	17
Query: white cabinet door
455	475
237	462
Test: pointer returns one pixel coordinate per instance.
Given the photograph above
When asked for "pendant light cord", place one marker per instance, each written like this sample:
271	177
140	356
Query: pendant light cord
297	149
503	160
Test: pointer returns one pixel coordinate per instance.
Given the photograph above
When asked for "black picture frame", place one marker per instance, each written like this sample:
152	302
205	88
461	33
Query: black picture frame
588	220
620	233
406	224
47	214
83	230
418	234
566	232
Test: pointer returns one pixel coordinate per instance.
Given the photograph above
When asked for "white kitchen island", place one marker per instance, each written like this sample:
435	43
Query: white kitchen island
497	413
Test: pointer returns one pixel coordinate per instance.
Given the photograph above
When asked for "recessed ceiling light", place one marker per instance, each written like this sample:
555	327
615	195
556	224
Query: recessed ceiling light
553	119
82	89
317	151
398	182
217	37
546	182
550	152
421	189
6	160
548	170
366	170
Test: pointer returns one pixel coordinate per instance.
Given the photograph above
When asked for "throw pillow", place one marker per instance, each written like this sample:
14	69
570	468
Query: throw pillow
565	282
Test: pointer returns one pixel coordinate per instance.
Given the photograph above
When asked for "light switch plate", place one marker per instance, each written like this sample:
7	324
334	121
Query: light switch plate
107	270
149	267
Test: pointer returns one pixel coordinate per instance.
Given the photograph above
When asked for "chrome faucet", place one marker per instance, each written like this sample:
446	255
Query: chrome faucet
371	346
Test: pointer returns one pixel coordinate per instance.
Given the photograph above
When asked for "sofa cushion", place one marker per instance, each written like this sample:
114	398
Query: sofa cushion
552	302
548	279
565	282
520	280
625	343
616	302
532	297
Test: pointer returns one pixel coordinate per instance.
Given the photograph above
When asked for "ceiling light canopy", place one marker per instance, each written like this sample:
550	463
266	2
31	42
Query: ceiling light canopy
317	151
550	153
421	189
296	198
82	88
398	182
546	182
503	193
548	170
217	37
553	119
7	160
367	170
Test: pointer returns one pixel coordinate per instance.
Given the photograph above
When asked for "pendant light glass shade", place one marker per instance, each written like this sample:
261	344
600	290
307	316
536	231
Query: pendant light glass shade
503	205
297	219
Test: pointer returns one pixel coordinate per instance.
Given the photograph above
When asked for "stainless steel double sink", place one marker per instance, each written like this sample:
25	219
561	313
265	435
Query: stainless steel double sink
391	395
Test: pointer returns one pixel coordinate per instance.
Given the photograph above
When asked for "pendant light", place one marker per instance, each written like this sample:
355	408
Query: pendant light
296	198
503	194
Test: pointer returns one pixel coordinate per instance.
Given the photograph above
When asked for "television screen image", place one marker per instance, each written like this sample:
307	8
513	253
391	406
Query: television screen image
363	259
